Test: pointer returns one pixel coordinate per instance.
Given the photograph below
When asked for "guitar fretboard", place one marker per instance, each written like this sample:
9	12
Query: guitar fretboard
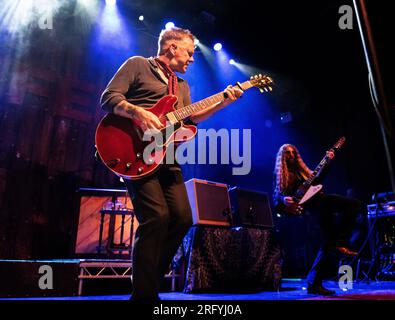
323	162
317	170
193	108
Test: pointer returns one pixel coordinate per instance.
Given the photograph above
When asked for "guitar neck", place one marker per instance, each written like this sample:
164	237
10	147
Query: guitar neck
317	170
193	108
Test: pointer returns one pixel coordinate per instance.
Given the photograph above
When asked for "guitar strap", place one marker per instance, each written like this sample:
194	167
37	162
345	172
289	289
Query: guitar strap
170	75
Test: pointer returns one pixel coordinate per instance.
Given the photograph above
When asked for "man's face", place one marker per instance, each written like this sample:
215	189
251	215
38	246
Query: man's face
290	155
183	55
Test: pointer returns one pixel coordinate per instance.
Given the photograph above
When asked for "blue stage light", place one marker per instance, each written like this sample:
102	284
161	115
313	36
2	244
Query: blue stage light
169	25
111	2
22	15
217	46
86	3
111	27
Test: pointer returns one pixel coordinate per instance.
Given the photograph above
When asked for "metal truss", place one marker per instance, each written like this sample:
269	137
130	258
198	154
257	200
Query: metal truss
113	270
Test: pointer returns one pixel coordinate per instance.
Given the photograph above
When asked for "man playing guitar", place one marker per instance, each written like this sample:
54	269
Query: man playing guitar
289	175
159	199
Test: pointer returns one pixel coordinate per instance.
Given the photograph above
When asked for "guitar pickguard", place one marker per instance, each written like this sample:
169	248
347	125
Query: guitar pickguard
313	190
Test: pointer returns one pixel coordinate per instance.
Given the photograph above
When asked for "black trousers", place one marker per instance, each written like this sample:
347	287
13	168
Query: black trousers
164	215
336	232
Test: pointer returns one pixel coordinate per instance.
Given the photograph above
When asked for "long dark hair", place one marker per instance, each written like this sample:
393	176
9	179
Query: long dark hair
281	169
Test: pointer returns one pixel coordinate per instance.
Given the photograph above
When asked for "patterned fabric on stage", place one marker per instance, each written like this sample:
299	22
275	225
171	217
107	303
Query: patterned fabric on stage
231	260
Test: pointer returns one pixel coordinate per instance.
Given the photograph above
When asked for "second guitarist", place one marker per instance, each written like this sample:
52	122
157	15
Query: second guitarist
289	173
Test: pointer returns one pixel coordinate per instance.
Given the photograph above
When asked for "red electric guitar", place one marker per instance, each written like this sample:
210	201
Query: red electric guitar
121	144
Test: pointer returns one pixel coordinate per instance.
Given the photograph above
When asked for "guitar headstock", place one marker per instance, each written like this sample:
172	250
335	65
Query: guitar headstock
262	82
339	143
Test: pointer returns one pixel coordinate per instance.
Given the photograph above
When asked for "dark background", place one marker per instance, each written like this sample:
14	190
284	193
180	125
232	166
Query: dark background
50	87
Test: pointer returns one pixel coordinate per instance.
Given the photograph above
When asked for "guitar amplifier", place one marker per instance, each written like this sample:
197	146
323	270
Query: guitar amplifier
209	202
251	208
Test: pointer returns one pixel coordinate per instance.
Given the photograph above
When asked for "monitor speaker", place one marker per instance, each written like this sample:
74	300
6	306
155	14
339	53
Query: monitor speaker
210	202
251	208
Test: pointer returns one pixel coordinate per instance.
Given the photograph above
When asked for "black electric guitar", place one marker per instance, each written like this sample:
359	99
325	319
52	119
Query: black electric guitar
308	189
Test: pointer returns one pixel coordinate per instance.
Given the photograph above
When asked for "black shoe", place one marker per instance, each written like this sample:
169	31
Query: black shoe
320	290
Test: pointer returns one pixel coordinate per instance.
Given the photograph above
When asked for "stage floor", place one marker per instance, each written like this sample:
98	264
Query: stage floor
291	289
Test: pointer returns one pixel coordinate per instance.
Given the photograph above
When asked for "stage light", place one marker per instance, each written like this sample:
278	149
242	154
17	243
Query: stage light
15	15
111	27
169	25
110	20
20	15
232	62
86	3
111	2
141	18
217	46
85	13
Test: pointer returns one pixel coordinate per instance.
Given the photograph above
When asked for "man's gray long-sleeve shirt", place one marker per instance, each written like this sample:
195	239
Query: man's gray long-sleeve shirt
139	82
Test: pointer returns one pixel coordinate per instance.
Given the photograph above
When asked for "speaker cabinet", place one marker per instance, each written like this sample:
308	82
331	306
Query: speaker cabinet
251	208
209	201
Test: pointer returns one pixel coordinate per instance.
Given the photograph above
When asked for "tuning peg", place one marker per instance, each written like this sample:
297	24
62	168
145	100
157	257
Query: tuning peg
270	88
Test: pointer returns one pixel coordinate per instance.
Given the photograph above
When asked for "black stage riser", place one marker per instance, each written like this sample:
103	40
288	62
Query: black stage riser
22	278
